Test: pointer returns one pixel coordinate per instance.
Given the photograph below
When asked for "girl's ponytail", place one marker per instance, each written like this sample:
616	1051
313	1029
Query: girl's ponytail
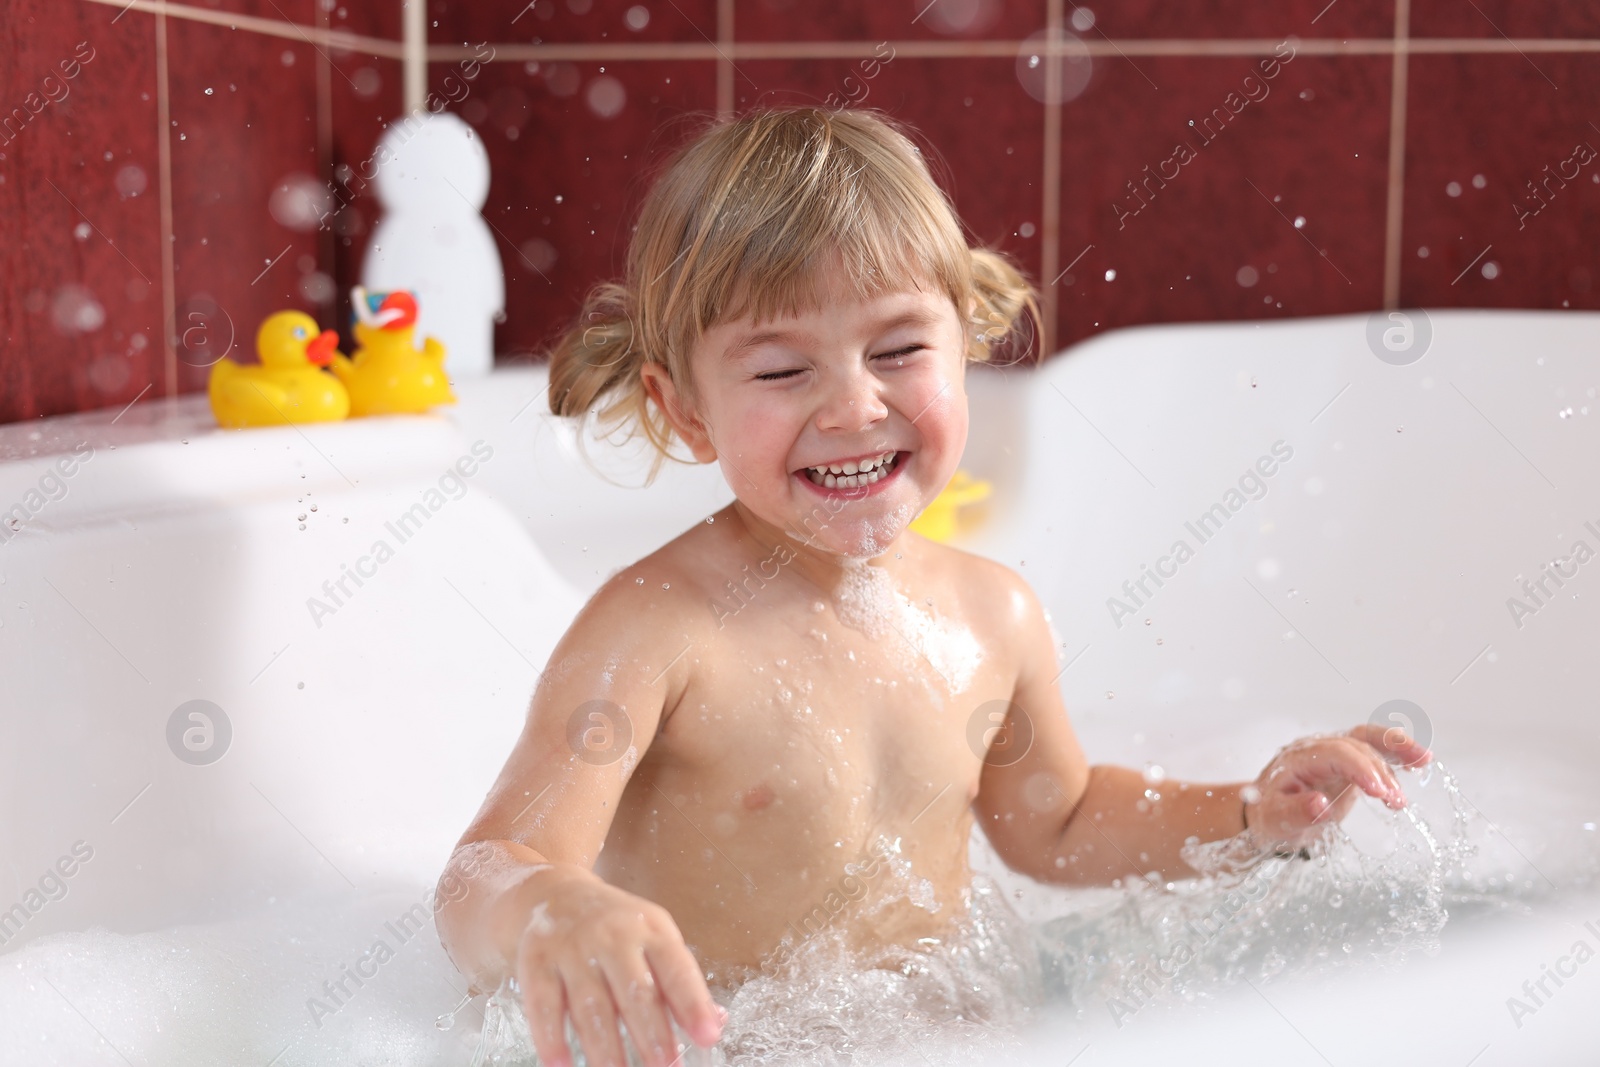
1001	294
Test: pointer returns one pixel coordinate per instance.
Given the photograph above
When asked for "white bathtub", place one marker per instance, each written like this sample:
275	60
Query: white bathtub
170	566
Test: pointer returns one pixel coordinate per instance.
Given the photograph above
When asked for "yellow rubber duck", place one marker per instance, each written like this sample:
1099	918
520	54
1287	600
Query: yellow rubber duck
289	386
388	375
938	520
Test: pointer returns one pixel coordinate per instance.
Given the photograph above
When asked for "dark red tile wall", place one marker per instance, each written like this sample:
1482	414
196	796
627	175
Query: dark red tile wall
1282	211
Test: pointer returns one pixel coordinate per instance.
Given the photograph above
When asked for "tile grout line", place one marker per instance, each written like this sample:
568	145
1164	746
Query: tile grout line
327	248
725	47
520	51
293	31
169	301
1395	207
1050	213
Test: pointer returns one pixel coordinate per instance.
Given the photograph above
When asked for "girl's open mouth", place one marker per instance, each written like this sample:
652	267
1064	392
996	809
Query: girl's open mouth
857	477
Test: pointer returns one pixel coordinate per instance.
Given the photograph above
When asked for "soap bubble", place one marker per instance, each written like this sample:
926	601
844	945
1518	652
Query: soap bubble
131	180
1032	70
300	202
75	310
538	253
108	373
318	287
367	81
959	16
562	78
606	96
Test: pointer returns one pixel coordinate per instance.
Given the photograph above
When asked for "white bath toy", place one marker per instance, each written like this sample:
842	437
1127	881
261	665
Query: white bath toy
432	180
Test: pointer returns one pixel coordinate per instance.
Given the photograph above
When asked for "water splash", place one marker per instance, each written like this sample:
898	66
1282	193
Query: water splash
1251	915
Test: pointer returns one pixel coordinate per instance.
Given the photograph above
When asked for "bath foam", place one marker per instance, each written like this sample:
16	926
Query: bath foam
242	991
867	600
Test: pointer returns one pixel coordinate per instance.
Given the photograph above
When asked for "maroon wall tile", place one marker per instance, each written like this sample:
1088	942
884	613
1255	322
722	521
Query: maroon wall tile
571	21
367	94
80	311
1218	240
244	160
571	147
1508	18
983	134
887	20
1467	182
1203	19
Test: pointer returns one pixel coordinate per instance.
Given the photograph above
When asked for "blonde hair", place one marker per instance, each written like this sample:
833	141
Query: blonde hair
742	222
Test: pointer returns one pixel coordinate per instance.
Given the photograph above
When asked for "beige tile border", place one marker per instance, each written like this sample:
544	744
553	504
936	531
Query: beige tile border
1050	212
169	298
730	50
1395	206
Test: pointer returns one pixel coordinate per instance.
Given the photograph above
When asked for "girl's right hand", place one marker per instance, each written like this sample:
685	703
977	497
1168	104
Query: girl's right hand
595	952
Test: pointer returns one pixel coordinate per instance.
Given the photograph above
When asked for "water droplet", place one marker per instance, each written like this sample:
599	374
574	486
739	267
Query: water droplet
208	90
345	519
302	526
313	507
301	517
1299	222
1110	695
710	519
666	585
1291	594
1566	413
1111	275
1147	622
300	685
1159	641
1154	772
638	581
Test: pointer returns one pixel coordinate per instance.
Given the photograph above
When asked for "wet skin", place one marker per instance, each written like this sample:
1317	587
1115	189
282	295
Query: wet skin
776	734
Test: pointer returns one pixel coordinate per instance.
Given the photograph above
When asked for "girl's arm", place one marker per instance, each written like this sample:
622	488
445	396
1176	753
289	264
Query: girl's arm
1053	817
519	897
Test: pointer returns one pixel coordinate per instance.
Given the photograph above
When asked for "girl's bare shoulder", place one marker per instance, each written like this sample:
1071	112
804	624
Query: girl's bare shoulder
990	593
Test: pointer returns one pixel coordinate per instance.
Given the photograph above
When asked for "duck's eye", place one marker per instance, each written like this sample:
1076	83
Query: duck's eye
300	332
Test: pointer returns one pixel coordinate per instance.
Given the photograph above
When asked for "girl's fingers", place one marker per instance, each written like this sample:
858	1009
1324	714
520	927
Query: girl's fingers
594	1016
1393	743
545	1007
679	979
633	988
1340	762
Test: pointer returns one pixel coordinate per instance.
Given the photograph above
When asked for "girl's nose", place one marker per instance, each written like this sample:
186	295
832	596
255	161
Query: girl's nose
852	404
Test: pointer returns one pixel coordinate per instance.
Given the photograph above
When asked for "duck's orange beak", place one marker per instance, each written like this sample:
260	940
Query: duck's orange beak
320	350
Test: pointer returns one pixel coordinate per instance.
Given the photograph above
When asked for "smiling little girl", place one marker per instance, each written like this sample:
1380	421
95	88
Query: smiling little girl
740	719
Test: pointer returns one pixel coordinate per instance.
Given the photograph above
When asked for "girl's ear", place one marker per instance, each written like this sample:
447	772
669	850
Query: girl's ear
658	385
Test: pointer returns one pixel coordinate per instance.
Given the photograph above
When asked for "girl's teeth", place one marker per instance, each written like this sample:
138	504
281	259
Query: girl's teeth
852	475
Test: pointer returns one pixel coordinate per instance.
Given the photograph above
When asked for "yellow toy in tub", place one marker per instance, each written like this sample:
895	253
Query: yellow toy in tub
938	520
289	386
387	374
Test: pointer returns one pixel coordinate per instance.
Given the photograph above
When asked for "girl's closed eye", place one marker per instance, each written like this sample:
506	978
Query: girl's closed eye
897	354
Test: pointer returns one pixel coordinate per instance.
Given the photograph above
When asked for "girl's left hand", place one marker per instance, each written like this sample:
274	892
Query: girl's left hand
1315	781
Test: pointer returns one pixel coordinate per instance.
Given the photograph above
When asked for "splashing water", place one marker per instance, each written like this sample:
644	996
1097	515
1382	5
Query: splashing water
820	1003
1249	916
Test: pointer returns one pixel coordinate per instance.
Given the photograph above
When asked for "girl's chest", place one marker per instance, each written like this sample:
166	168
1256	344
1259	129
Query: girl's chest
831	715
